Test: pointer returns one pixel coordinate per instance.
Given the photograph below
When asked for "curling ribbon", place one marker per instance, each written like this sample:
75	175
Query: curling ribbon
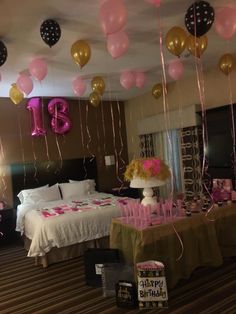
82	140
22	147
3	175
104	129
165	104
120	136
88	133
233	125
114	144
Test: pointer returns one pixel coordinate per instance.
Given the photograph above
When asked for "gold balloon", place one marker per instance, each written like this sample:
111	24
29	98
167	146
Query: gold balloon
226	63
15	94
157	91
80	52
176	40
98	85
197	45
95	99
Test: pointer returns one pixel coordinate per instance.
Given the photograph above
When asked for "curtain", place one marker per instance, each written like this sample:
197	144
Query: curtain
191	158
167	145
146	145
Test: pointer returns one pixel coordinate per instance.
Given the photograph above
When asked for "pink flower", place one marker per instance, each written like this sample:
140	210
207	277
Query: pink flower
153	165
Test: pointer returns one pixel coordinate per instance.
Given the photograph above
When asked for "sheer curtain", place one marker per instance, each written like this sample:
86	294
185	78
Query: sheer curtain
167	145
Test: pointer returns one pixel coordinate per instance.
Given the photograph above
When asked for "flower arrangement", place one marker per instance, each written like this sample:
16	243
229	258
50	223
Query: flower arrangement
145	168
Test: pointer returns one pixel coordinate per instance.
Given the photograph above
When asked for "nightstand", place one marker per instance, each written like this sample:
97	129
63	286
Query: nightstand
126	191
7	226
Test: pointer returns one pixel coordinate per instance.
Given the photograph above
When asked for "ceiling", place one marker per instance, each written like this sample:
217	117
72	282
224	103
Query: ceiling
79	19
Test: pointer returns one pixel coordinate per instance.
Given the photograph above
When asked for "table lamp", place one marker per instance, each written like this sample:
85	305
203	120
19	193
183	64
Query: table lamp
147	173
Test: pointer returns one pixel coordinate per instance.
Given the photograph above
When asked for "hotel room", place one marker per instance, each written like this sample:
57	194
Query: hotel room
86	88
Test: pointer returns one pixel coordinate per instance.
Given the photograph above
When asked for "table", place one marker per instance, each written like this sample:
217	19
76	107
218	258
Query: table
206	240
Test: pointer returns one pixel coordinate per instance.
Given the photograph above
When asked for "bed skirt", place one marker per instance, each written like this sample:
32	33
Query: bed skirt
65	253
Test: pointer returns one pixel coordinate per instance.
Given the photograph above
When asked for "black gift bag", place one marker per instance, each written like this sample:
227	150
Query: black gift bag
94	260
126	294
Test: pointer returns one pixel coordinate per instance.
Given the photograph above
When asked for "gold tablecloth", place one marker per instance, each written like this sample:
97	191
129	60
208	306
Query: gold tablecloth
206	240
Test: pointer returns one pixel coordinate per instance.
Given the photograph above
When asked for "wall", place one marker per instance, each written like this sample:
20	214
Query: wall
103	133
180	94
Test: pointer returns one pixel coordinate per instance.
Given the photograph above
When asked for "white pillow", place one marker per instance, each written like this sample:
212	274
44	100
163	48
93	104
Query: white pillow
51	193
24	194
74	189
91	183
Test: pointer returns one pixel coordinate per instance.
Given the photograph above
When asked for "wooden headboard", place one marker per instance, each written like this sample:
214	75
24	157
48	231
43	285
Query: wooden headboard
32	175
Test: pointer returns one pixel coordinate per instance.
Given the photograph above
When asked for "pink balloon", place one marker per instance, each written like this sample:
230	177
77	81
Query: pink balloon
38	68
157	3
176	69
25	84
79	86
117	44
35	106
113	16
58	109
140	79
225	22
127	79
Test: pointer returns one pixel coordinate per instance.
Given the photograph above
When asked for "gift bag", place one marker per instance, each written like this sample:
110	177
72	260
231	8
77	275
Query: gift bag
152	288
94	259
112	273
126	294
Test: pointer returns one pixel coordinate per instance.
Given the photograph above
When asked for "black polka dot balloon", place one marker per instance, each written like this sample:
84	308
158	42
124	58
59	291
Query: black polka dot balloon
199	18
50	32
3	53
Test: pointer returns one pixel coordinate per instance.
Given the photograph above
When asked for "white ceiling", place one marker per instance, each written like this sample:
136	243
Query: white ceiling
79	19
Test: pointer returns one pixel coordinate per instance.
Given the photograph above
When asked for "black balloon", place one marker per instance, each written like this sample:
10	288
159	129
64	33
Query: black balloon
50	32
199	18
3	53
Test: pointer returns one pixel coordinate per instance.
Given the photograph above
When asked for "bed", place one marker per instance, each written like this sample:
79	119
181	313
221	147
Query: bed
59	212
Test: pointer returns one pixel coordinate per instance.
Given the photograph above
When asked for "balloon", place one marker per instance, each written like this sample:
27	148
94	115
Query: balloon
25	84
117	44
79	86
176	69
199	18
3	53
197	45
81	52
58	109
157	90
176	40
127	79
113	16
98	85
226	63
94	99
225	22
34	105
140	79
157	3
38	68
15	94
50	32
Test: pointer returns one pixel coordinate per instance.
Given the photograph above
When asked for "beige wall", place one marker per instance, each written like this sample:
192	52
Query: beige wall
101	136
180	94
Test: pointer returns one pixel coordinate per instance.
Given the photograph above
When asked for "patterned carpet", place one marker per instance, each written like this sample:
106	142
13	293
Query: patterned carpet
61	288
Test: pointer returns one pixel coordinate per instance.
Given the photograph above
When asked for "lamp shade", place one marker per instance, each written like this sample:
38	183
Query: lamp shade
151	182
146	173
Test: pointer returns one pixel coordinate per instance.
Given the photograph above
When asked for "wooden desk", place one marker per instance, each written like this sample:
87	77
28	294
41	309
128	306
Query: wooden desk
205	242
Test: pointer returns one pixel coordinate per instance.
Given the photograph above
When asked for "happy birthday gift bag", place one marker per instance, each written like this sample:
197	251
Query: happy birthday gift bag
152	288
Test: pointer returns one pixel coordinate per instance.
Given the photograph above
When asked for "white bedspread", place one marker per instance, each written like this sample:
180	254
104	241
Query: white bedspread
65	229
